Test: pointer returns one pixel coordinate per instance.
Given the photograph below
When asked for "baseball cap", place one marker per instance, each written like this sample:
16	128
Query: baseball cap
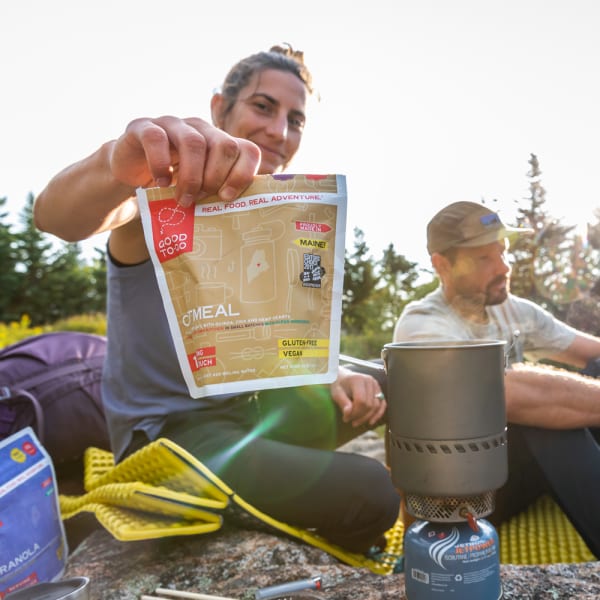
466	225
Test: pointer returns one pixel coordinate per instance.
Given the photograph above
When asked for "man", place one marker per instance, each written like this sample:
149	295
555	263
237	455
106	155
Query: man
550	410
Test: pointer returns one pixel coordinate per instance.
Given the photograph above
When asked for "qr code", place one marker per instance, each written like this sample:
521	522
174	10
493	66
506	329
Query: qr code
313	271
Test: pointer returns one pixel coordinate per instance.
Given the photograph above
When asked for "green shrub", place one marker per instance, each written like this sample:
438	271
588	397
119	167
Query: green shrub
366	346
14	331
93	323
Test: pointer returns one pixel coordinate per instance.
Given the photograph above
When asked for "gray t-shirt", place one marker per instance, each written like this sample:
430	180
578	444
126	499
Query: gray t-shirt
529	331
142	380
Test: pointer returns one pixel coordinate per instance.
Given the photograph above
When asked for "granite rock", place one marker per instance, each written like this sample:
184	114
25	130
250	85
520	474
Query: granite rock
234	562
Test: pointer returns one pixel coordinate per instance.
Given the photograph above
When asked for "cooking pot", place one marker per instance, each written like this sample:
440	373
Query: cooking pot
446	416
76	588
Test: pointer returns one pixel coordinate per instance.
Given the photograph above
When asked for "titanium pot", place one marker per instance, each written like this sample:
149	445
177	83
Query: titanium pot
76	588
446	417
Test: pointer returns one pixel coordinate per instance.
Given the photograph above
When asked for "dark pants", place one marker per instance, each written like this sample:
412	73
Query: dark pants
276	452
562	463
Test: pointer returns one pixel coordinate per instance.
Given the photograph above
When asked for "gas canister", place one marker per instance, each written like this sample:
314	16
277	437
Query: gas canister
452	560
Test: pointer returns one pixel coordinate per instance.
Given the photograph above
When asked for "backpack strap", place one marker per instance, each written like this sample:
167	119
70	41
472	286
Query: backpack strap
8	412
56	372
19	389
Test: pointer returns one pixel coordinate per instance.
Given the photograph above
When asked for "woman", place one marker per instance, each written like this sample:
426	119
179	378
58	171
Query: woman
286	468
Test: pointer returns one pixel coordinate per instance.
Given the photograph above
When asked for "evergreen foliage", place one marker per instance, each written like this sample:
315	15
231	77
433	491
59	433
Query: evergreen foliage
46	284
554	266
375	292
46	279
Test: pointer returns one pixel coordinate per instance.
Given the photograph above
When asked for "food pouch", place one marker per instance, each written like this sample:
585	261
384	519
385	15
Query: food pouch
252	288
33	543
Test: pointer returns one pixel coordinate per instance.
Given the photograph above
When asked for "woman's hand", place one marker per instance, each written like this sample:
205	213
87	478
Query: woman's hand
359	397
97	193
199	158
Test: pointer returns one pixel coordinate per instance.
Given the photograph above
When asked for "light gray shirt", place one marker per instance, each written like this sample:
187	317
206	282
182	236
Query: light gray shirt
529	331
142	381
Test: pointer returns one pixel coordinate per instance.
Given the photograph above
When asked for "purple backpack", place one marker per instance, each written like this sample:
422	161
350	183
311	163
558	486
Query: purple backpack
51	382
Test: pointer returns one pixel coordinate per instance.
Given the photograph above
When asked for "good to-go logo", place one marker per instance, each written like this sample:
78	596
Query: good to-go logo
172	228
29	448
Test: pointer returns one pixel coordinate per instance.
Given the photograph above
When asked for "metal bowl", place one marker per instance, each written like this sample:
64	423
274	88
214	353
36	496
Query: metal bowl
76	588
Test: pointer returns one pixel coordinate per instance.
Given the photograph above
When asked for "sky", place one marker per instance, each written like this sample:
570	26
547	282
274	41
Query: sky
422	102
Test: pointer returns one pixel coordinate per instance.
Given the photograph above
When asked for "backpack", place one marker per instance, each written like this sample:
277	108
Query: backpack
51	382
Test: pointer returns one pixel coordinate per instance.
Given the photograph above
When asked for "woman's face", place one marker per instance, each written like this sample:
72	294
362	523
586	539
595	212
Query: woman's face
269	111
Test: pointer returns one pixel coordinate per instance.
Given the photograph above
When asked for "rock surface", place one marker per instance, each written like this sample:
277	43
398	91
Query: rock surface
235	562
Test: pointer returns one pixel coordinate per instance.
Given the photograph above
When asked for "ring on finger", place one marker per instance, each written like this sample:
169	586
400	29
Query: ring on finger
380	396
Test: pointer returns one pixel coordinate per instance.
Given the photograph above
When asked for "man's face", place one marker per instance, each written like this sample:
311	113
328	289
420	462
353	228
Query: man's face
480	274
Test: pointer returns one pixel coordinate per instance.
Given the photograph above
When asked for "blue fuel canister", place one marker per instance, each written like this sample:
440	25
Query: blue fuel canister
458	560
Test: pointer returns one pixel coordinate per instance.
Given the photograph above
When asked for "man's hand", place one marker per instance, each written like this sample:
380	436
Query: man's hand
359	397
199	158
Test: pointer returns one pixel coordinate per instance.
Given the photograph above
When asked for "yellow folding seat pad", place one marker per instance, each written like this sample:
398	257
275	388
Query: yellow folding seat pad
160	463
129	525
144	497
162	490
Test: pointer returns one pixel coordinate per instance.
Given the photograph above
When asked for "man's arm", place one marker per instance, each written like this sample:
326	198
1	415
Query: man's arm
551	398
582	349
543	396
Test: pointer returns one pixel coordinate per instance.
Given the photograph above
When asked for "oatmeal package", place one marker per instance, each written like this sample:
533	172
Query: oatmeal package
252	288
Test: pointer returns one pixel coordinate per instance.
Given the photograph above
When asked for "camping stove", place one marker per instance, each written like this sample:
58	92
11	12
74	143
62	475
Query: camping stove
448	456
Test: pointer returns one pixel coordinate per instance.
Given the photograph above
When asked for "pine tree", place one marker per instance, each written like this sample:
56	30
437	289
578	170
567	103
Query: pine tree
375	292
398	276
545	265
360	282
9	276
50	280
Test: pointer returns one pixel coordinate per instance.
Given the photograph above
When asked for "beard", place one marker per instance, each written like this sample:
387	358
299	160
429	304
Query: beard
494	294
471	302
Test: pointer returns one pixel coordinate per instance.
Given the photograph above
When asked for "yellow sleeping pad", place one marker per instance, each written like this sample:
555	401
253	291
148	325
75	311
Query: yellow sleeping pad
162	490
541	534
